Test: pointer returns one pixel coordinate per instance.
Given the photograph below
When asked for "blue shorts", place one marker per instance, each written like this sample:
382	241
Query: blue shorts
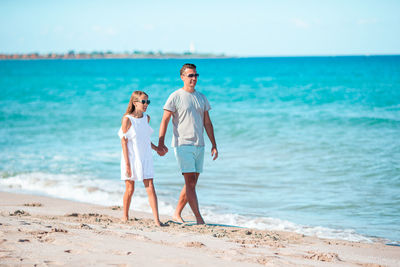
190	158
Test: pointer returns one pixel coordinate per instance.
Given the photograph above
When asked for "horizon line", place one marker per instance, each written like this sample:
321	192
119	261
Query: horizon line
164	55
159	52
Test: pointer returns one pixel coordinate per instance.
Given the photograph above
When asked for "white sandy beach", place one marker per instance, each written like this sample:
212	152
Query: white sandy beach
44	231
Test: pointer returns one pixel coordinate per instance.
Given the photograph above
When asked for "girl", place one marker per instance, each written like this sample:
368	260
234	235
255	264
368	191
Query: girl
136	158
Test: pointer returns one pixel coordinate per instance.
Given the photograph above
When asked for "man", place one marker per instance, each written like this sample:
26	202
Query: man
189	110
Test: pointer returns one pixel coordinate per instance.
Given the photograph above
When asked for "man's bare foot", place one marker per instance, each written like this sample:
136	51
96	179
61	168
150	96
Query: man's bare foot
200	220
125	219
178	218
157	223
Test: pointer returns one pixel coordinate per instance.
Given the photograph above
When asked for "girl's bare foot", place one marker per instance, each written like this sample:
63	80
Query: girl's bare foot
125	219
157	223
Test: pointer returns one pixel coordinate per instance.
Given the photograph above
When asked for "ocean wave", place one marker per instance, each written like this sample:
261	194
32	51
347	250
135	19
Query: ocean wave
110	192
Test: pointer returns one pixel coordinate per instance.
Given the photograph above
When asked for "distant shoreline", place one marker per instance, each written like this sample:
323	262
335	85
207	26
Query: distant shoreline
109	55
85	56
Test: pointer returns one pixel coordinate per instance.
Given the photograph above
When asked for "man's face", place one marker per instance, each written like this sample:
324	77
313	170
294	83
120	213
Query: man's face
189	77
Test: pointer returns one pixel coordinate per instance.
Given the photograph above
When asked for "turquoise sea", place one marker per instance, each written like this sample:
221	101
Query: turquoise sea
307	144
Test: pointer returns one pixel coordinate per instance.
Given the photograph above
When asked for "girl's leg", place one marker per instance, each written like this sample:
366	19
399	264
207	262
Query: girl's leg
129	189
182	201
151	193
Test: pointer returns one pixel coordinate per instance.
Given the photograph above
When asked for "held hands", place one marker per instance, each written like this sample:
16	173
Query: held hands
214	153
162	149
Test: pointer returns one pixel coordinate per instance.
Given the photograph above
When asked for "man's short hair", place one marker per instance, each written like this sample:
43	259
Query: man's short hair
187	66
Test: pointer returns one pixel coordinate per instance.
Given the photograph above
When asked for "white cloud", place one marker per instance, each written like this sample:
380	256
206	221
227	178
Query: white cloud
149	27
58	29
299	23
104	30
44	31
368	21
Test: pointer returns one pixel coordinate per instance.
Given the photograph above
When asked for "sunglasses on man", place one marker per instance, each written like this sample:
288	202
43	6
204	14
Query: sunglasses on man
191	75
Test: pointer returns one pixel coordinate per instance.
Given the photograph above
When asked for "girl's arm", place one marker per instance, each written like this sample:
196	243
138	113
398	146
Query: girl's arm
126	124
154	147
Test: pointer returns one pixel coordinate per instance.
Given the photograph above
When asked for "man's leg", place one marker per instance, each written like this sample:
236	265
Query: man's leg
190	184
182	201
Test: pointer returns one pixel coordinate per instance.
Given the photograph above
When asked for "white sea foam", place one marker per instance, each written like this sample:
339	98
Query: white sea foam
78	188
267	223
109	192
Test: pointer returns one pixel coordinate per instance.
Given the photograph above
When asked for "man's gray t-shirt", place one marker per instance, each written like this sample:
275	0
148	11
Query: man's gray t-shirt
187	117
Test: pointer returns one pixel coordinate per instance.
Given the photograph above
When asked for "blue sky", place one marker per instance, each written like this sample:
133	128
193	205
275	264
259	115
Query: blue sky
239	28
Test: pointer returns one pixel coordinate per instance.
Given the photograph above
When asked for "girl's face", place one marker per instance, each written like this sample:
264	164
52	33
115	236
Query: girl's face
141	104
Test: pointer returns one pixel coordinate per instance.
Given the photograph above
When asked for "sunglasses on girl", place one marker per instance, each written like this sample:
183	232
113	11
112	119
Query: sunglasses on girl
144	102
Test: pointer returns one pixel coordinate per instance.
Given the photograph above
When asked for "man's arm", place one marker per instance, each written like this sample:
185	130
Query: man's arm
163	129
210	132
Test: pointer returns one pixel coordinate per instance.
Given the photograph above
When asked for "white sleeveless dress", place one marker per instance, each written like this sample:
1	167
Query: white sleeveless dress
139	149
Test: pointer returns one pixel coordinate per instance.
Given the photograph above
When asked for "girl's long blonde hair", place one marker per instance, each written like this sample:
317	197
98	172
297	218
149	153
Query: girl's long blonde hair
134	97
